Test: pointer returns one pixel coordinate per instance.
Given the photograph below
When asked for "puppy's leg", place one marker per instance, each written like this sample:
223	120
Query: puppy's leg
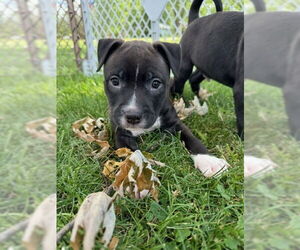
291	89
124	140
207	164
195	79
238	90
186	68
238	95
292	104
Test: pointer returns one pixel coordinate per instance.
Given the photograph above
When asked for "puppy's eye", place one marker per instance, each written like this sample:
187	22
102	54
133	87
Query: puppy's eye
156	84
115	81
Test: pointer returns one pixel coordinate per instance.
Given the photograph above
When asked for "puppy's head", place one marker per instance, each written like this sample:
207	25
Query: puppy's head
137	78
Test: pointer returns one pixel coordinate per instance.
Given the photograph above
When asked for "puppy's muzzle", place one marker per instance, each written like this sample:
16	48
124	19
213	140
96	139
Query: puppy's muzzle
133	117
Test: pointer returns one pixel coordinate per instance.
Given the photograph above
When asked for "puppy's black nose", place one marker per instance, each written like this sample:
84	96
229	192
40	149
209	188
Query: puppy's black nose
133	118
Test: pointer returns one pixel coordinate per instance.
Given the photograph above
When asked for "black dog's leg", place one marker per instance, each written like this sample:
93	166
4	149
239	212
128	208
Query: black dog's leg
125	140
292	104
195	79
238	95
238	90
192	143
291	91
291	88
207	164
186	69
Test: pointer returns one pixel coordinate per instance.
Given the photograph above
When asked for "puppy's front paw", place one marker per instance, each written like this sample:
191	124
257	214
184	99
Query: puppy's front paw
209	165
254	165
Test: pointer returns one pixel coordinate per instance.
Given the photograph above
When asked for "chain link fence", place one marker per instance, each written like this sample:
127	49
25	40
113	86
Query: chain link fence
95	19
80	23
25	27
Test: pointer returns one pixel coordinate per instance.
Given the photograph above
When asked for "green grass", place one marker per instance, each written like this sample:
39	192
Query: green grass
272	202
207	214
27	164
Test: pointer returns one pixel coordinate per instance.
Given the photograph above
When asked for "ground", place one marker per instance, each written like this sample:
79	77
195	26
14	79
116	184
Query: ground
27	164
272	201
206	214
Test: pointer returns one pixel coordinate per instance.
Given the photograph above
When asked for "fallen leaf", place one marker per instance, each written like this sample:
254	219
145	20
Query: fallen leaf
176	193
195	106
157	163
99	152
181	110
110	168
95	131
123	173
90	129
95	214
204	94
198	108
41	229
113	243
136	177
44	128
123	152
154	193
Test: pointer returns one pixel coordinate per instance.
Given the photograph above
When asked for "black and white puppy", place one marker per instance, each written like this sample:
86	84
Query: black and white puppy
214	44
137	84
272	56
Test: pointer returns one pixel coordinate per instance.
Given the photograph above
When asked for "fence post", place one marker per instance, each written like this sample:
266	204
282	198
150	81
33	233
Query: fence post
155	30
74	31
48	9
27	26
89	65
154	8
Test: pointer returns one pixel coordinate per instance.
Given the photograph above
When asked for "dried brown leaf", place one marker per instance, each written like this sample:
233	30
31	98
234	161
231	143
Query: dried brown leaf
123	173
99	152
198	108
113	243
92	130
176	193
195	106
204	94
123	152
154	193
110	168
136	177
181	109
44	128
44	220
95	214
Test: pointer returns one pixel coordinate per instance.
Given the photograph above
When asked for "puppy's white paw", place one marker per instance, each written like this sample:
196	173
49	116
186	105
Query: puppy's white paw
209	165
254	165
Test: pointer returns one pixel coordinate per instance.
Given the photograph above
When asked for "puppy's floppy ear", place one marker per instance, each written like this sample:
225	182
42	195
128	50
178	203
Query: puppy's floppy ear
171	52
105	48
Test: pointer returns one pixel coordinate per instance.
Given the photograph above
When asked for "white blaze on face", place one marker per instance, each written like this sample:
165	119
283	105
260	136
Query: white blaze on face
137	73
132	104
